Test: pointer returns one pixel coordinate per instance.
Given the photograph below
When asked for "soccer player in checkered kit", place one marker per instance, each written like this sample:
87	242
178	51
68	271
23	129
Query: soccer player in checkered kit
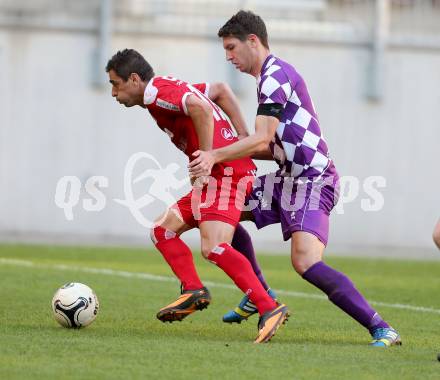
287	130
193	122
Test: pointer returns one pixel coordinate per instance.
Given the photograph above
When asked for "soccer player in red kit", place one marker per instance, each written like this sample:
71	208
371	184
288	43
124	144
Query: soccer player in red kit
194	122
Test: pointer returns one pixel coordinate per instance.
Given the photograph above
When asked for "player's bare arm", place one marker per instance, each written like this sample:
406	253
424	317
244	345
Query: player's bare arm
224	97
265	128
263	155
221	94
201	115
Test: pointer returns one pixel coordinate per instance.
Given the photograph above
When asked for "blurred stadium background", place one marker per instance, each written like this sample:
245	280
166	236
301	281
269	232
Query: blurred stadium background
373	69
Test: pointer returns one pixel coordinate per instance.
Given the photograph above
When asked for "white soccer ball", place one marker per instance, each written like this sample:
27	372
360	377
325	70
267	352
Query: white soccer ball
75	305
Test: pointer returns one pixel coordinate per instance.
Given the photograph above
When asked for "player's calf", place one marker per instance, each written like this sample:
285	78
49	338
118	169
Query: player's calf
178	256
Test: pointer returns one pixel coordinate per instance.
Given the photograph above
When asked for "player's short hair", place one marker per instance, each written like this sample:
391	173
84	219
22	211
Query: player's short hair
129	61
244	23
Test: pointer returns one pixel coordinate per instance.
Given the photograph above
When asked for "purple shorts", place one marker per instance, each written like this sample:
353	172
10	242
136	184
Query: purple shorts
297	205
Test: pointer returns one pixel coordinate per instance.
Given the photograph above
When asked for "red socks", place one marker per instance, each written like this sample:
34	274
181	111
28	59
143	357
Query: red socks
178	256
233	263
239	269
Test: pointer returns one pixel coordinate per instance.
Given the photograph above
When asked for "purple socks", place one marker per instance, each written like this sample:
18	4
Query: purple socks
342	292
242	243
338	287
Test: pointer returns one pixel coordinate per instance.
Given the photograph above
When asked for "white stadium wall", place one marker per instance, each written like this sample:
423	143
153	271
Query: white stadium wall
55	123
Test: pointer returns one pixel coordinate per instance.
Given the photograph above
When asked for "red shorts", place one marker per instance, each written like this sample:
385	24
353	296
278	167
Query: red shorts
222	199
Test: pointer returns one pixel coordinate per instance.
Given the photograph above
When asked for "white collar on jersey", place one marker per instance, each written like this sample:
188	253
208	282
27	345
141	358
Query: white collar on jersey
150	92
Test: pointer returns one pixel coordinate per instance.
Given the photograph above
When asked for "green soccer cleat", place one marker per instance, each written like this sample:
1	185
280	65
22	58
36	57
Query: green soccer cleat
189	302
244	309
385	337
270	322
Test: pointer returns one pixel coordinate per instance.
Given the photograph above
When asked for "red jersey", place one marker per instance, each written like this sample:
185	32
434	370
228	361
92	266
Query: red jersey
165	100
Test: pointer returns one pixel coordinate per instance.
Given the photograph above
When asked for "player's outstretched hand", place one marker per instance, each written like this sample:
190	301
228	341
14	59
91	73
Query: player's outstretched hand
202	163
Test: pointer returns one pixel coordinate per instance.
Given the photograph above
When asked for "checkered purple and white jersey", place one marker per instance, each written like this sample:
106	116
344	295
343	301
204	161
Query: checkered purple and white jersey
298	146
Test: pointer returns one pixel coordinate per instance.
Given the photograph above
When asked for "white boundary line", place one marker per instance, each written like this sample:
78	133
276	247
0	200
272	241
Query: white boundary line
153	277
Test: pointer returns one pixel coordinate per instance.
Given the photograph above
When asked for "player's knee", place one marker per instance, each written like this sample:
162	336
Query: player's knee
299	265
306	251
206	249
159	234
207	246
300	249
302	258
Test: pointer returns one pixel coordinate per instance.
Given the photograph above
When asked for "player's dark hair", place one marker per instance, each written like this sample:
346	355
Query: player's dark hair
244	23
129	61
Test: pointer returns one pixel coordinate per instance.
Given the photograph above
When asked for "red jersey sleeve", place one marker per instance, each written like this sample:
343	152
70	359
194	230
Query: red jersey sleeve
168	95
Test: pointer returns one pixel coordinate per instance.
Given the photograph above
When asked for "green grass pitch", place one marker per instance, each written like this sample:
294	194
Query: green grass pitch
127	342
